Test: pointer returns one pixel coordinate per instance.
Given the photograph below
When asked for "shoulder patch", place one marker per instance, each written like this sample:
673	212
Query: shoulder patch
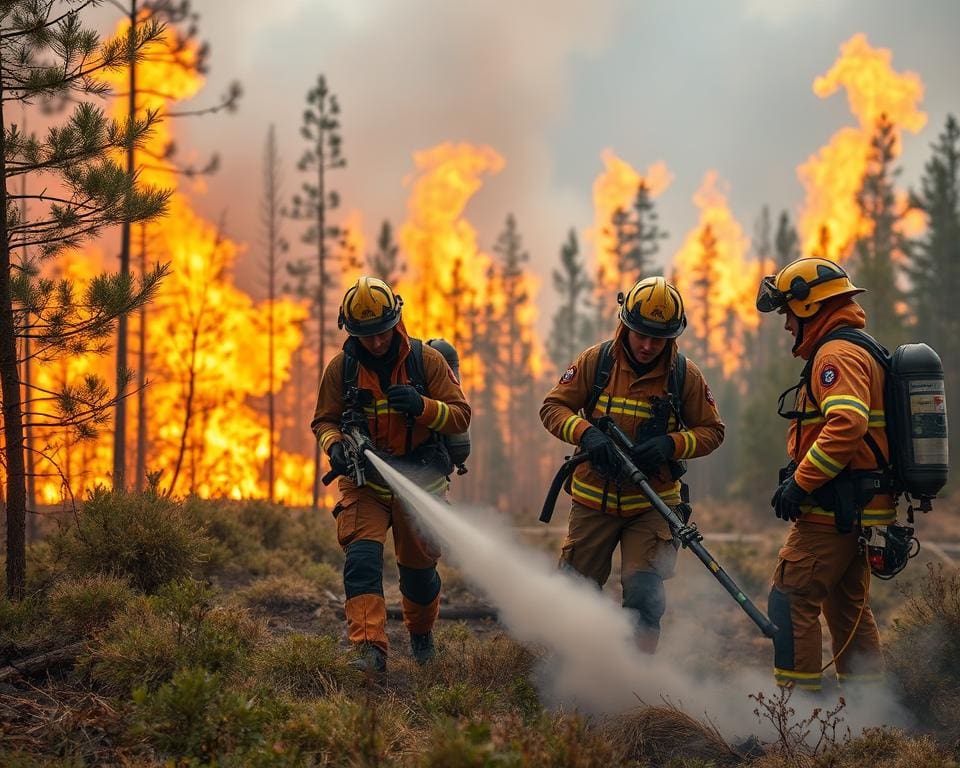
568	375
709	395
829	376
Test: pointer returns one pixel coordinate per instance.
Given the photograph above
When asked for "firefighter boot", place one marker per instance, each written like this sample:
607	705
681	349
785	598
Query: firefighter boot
422	647
370	658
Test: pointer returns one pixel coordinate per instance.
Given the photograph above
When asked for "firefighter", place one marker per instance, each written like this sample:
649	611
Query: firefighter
659	398
375	375
837	446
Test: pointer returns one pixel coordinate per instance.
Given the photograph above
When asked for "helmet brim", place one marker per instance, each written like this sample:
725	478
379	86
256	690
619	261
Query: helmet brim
374	328
655	329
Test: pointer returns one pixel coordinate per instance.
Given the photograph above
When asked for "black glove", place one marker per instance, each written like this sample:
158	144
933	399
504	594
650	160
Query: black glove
787	499
603	454
653	453
405	398
338	459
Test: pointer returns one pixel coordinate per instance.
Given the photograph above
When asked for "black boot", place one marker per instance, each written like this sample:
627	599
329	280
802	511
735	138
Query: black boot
422	647
370	658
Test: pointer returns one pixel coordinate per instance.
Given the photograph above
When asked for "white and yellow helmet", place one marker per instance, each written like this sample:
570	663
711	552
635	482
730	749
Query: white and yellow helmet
369	307
653	307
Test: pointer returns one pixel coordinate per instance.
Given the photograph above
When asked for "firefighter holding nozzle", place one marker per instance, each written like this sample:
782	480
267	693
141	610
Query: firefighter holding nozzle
403	397
836	486
661	400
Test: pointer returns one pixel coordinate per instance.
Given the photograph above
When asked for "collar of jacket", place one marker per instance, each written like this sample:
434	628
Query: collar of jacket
660	369
841	310
352	344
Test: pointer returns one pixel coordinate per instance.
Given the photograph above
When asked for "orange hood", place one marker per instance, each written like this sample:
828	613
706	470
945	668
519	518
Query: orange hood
835	312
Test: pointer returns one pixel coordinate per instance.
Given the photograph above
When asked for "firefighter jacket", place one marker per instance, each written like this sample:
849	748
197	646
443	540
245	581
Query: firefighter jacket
828	435
445	411
627	399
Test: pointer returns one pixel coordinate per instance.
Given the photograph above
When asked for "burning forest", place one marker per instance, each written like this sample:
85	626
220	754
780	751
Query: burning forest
217	410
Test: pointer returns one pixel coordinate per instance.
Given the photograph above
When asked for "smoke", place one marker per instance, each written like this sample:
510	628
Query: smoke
592	661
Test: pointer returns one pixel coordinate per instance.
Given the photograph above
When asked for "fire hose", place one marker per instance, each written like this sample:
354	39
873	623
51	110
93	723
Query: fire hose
686	533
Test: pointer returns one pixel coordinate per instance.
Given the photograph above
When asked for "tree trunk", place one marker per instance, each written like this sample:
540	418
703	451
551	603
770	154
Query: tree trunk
321	286
12	411
142	376
120	418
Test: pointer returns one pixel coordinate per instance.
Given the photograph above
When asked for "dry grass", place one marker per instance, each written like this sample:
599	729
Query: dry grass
661	734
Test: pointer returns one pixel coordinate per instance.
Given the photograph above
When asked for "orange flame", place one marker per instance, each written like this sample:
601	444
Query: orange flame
206	340
830	221
717	282
615	189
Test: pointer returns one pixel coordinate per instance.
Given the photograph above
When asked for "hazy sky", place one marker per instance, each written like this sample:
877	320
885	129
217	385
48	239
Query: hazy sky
698	84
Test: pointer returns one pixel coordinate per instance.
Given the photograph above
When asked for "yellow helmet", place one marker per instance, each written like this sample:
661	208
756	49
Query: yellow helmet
803	285
369	307
653	307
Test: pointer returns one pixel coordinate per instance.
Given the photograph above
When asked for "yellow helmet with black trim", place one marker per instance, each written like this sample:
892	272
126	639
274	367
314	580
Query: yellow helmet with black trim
803	285
369	307
653	307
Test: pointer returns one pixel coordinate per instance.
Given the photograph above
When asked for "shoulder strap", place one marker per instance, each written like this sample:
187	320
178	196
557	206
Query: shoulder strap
876	350
415	369
676	381
351	370
600	378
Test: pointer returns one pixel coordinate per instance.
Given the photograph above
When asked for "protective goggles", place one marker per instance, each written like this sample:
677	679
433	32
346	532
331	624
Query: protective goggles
769	297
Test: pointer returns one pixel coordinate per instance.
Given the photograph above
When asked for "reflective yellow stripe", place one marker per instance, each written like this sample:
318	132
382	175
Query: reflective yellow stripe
847	678
443	411
568	428
878	516
878	419
628	503
623	405
690	444
845	403
823	461
807	681
328	436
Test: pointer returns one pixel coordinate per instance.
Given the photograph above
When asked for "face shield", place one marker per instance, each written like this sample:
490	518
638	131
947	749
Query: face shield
769	297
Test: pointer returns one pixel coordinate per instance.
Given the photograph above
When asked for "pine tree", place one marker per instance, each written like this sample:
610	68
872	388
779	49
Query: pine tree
177	47
934	269
274	246
786	242
516	344
385	261
48	53
572	330
321	130
703	278
876	254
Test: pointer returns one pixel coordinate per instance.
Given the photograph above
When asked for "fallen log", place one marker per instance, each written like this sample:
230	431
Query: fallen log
42	661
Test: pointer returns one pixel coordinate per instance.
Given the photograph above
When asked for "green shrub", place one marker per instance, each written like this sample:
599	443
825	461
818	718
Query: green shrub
923	651
338	730
457	700
78	607
302	665
144	537
471	668
178	627
196	716
22	624
279	594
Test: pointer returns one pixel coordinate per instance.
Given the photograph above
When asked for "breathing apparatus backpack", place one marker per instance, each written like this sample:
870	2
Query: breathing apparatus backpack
915	409
456	446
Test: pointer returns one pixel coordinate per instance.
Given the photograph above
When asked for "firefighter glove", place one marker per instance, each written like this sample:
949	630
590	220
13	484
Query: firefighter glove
338	459
787	499
603	454
405	398
654	452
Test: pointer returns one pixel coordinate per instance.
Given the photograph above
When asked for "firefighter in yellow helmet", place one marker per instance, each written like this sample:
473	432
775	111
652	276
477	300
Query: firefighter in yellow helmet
406	395
834	489
659	397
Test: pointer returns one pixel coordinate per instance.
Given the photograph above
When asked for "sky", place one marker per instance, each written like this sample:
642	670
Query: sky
698	84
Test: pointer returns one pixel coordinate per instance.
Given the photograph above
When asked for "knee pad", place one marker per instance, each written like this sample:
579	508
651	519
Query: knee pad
644	593
419	585
363	568
778	609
